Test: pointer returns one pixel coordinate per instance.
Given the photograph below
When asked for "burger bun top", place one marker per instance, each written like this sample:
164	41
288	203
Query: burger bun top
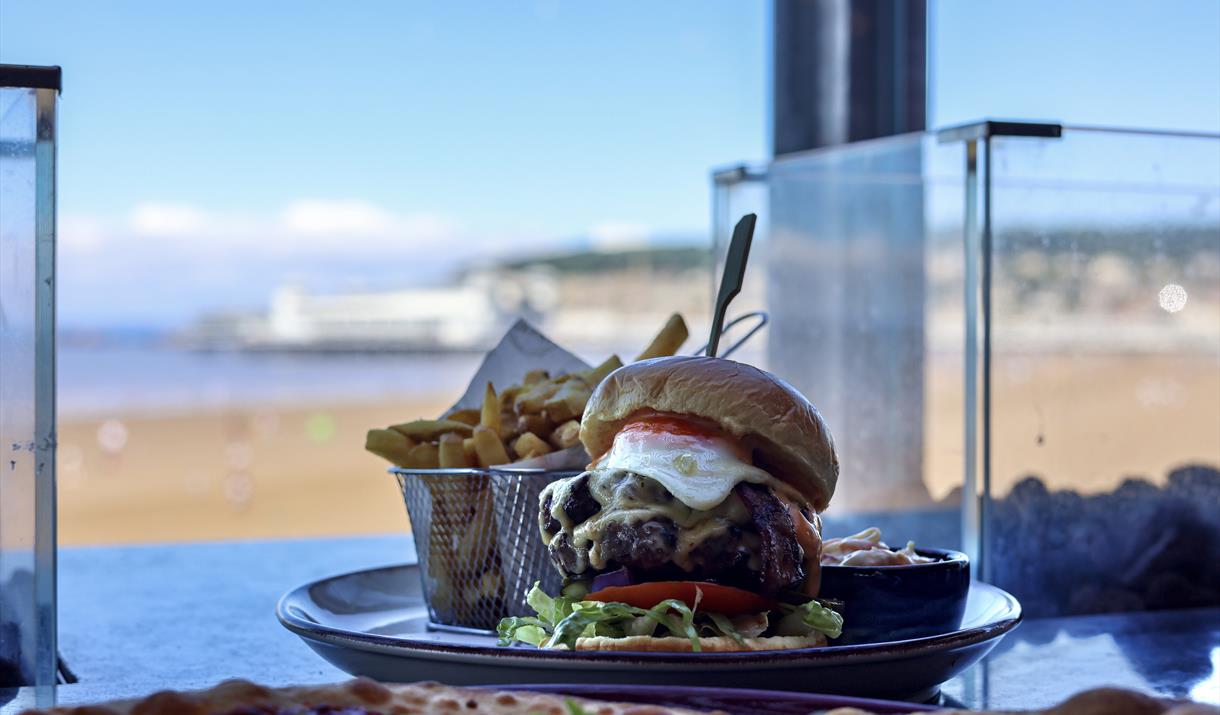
783	431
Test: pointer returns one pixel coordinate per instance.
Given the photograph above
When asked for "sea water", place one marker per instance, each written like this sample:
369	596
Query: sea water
105	380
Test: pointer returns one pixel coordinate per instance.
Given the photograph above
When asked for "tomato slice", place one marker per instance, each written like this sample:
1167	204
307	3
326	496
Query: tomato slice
716	598
666	424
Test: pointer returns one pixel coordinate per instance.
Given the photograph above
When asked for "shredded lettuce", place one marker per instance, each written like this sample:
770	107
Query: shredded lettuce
584	620
551	610
523	628
725	626
681	625
562	621
809	618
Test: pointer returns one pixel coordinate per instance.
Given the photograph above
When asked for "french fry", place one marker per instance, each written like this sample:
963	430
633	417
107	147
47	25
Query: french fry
530	445
472	457
566	435
452	456
667	342
424	455
532	400
389	445
428	430
488	446
533	377
478	540
507	396
476	554
508	426
469	416
490	416
568	402
442	595
597	374
538	424
442	536
491	584
576	401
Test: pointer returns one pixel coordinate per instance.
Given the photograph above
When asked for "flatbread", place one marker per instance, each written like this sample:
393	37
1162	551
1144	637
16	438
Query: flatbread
1098	701
355	697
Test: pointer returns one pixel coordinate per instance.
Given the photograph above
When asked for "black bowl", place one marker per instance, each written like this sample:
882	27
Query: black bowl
891	603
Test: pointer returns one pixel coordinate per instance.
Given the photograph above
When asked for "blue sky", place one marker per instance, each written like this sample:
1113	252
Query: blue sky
212	150
563	115
1126	63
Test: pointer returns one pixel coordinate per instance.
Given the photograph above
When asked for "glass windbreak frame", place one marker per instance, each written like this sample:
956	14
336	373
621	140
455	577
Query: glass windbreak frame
1097	258
27	383
884	369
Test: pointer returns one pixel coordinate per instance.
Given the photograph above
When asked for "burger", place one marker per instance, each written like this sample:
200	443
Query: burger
696	526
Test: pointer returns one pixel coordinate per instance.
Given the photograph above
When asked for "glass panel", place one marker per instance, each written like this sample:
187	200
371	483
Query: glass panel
27	498
858	259
1105	371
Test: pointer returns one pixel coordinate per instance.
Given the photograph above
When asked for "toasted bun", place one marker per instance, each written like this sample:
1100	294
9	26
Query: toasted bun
717	644
784	432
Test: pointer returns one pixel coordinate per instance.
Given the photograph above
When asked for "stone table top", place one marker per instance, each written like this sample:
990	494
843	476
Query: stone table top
135	619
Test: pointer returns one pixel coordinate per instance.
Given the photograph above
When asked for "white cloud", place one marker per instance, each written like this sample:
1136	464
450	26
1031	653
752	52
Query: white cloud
348	230
155	219
352	217
343	228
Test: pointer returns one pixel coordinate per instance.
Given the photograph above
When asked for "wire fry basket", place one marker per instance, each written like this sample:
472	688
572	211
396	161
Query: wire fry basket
477	540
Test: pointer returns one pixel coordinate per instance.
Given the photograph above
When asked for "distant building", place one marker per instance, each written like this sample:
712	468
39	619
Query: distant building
581	299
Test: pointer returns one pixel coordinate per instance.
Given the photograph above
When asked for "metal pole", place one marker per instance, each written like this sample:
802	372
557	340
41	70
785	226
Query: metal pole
852	296
847	70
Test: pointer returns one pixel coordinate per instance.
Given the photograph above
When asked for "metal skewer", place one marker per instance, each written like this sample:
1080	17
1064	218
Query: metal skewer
730	282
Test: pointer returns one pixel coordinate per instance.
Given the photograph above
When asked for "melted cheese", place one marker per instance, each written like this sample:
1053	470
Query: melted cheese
699	469
627	498
630	499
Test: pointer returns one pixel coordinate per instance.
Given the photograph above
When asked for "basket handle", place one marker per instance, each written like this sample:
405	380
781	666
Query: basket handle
762	318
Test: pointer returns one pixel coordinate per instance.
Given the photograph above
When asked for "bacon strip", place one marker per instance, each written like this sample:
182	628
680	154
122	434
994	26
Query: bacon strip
781	554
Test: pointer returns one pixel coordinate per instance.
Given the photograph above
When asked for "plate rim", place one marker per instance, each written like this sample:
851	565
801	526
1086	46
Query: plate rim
519	656
866	704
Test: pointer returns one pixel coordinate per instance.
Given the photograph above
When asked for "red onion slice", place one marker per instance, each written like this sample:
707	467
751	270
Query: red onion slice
618	577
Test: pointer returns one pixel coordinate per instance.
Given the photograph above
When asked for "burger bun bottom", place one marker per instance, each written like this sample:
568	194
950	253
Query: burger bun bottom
717	644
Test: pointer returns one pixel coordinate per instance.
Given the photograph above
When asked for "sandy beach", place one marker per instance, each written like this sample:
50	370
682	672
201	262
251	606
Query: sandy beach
246	473
237	474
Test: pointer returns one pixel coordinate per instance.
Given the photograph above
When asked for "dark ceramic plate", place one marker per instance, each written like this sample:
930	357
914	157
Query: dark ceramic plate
374	623
730	700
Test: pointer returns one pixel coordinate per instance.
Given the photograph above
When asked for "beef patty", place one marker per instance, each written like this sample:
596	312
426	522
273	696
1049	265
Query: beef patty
611	519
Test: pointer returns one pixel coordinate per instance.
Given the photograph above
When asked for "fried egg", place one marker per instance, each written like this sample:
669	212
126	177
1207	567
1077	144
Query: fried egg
698	466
